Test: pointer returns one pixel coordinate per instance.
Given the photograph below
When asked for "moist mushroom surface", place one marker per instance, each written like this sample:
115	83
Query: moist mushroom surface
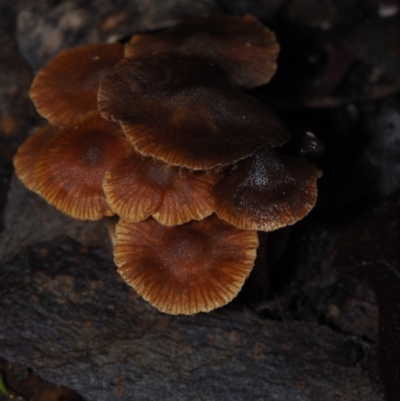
66	88
243	48
70	168
194	267
28	152
138	187
267	191
166	140
181	110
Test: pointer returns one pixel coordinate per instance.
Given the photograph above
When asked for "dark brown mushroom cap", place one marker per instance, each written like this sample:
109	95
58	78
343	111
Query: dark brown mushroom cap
28	152
244	49
138	187
67	87
180	110
70	169
267	191
194	267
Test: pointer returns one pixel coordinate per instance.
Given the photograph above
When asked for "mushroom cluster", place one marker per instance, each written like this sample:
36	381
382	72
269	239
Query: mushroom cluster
160	133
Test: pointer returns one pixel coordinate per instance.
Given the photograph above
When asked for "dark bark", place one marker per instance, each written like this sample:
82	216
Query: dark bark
67	314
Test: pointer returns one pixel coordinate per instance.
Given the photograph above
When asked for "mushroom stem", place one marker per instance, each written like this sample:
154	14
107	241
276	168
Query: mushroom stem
111	223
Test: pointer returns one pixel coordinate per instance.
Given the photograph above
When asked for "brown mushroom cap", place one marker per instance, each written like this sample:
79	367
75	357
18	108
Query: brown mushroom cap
138	187
180	110
194	267
242	47
267	191
27	154
70	169
66	88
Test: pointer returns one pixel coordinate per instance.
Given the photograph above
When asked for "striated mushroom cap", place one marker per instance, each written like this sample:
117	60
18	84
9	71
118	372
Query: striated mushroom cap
194	267
243	48
70	168
66	88
267	191
180	110
138	187
28	152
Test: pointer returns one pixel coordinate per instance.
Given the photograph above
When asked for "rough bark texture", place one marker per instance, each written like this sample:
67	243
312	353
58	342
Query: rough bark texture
45	27
69	315
375	258
305	327
28	218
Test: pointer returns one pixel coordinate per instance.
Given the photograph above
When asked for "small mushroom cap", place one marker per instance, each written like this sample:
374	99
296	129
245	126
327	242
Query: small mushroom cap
25	159
194	267
180	110
67	87
267	191
188	197
138	187
244	49
70	169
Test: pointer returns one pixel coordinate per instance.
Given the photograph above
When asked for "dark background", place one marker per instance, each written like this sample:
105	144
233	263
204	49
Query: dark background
319	319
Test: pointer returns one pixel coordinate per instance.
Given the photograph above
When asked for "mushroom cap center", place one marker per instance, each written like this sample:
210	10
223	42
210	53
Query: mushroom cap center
186	256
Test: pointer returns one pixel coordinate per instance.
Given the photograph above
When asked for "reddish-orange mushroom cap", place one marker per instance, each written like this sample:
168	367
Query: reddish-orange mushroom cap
25	159
70	169
244	49
188	197
138	187
66	88
180	110
194	267
267	191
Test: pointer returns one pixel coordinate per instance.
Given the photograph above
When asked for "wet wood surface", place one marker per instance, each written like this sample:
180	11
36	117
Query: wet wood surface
306	327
